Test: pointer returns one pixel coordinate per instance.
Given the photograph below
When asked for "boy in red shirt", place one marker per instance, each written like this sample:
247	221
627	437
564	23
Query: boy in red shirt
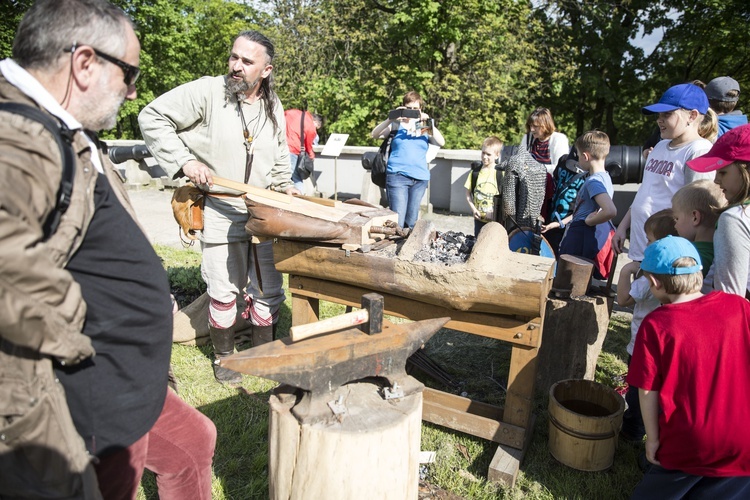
690	362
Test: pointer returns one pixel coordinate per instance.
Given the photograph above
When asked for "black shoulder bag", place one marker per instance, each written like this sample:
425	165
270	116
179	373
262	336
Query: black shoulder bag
64	137
377	161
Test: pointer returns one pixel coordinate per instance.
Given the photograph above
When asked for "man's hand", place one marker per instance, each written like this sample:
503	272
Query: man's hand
291	190
198	173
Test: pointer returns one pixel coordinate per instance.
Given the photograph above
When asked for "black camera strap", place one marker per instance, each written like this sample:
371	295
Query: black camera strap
64	137
301	136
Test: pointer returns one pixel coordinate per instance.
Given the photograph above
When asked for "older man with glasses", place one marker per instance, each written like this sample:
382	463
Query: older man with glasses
85	315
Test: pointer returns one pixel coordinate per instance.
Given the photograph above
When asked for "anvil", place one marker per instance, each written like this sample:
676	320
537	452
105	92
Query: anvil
320	365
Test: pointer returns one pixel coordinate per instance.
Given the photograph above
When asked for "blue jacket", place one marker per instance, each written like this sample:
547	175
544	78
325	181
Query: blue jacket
730	120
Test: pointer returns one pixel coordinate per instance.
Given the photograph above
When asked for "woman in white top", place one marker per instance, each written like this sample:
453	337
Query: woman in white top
542	140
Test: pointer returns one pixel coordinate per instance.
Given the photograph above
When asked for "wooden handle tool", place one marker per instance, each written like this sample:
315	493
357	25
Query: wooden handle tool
348	320
370	316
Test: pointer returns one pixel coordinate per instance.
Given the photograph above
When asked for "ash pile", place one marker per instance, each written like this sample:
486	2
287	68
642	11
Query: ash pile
447	248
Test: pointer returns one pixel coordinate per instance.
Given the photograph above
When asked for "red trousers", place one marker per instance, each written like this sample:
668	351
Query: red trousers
179	449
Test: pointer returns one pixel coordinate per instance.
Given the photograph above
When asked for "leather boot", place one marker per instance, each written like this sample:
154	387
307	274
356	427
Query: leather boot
243	335
263	334
223	341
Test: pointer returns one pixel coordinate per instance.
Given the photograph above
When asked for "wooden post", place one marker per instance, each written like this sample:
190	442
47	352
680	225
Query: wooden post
574	331
573	276
371	450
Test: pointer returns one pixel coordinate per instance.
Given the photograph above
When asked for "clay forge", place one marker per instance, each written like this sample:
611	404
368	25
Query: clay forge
492	280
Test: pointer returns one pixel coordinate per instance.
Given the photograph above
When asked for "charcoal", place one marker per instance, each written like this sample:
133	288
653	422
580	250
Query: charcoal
448	248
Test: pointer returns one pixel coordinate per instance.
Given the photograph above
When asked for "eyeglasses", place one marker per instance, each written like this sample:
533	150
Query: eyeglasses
131	72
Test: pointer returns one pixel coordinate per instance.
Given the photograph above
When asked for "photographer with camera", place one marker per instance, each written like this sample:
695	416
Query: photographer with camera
407	174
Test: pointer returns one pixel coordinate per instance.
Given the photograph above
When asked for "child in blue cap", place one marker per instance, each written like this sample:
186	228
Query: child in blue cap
680	113
690	364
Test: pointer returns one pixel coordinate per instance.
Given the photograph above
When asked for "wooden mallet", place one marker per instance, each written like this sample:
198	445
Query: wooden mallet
370	317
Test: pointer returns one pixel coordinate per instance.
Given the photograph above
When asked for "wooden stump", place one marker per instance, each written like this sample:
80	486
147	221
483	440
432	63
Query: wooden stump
574	330
572	277
190	325
370	451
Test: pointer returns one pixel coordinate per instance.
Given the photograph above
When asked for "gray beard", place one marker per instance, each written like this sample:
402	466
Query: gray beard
233	88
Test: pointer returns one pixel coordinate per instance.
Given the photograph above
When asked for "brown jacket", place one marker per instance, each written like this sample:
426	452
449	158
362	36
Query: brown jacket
41	308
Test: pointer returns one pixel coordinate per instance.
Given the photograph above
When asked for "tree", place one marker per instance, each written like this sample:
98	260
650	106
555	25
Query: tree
181	40
606	89
11	14
474	76
703	40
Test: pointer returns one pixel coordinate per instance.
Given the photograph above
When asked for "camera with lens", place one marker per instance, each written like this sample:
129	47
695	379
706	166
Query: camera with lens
395	114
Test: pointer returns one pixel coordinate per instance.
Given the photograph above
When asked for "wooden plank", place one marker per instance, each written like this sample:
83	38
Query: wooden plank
327	202
518	331
284	201
463	404
304	309
255	191
521	379
457	413
507	461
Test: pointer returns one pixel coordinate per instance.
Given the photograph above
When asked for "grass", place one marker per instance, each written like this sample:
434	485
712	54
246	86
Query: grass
460	469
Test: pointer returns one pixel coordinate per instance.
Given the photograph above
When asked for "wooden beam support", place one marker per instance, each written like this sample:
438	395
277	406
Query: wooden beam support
507	461
518	331
521	379
472	417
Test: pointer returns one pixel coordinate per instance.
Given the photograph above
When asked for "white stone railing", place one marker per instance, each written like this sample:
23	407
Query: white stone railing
346	178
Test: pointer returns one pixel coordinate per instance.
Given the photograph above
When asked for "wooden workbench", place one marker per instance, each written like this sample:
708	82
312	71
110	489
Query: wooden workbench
511	426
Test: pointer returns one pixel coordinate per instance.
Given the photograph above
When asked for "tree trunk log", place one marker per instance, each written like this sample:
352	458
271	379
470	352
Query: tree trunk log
371	451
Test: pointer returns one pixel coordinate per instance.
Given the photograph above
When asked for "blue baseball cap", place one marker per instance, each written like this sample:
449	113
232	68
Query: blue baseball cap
685	96
659	256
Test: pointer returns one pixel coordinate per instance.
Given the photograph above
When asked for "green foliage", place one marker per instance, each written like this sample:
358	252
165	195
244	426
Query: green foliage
181	40
703	40
184	273
11	13
457	55
481	65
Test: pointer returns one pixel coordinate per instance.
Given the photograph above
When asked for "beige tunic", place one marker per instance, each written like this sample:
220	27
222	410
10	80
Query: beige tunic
195	122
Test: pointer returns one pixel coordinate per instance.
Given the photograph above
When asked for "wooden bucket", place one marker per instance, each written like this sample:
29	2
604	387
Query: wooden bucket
585	418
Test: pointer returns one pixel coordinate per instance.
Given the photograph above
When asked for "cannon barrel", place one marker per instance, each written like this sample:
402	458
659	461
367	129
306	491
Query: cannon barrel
624	163
120	154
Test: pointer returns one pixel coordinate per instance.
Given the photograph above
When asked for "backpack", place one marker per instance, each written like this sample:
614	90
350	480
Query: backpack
476	166
64	137
377	162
